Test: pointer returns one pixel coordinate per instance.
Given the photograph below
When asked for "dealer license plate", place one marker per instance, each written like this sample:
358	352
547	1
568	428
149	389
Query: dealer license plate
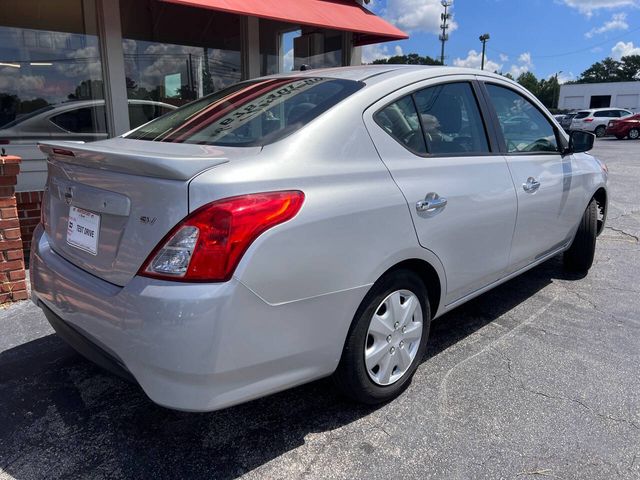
83	230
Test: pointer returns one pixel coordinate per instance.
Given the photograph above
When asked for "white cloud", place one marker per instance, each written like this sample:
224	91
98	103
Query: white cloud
417	15
563	77
587	7
523	66
377	52
504	58
618	22
474	60
622	49
288	61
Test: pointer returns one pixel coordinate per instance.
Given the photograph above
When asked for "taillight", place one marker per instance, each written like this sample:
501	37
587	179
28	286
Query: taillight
209	243
588	120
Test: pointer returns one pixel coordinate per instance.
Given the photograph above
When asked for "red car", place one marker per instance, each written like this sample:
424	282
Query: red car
628	127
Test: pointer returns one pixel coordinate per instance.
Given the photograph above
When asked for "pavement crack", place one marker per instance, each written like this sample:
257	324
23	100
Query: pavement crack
626	234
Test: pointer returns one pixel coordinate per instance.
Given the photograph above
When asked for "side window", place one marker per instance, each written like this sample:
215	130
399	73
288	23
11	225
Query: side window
604	114
82	120
524	127
623	113
451	119
400	120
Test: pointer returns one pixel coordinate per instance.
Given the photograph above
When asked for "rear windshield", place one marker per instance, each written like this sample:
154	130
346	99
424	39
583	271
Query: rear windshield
580	115
249	113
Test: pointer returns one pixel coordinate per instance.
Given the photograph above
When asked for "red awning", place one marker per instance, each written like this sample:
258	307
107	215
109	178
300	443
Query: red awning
334	14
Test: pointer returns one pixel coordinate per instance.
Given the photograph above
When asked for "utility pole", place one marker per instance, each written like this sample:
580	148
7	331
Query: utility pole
484	38
445	16
556	91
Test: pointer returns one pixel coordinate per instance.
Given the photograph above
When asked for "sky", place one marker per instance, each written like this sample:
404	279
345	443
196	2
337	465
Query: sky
546	37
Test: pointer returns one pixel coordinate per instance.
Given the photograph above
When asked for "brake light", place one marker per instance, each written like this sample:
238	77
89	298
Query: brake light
209	243
4	141
588	120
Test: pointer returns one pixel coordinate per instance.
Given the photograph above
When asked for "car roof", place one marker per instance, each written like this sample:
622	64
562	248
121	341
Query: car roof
363	73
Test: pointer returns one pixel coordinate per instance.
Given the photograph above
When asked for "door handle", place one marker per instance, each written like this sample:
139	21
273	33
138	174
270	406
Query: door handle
531	186
431	203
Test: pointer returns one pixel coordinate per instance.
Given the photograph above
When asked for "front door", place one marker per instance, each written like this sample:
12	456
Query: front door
458	188
541	174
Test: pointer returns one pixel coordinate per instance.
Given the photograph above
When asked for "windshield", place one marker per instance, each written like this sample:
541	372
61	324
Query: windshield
249	113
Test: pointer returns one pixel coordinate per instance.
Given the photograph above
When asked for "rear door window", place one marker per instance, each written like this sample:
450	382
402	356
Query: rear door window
250	113
524	127
451	119
82	120
400	120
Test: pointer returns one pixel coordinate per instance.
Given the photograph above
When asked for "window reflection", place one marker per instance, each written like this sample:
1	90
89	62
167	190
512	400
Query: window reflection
176	62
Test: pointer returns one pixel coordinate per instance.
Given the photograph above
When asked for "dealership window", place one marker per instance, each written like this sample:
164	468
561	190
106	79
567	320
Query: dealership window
285	47
174	54
49	57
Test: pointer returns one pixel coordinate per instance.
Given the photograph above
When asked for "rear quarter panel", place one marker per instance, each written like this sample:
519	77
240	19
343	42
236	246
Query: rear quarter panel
353	226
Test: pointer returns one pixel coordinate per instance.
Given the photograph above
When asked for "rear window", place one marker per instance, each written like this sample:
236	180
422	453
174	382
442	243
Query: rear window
580	115
249	113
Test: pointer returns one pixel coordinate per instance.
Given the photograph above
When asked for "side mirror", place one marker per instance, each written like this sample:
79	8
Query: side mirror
580	141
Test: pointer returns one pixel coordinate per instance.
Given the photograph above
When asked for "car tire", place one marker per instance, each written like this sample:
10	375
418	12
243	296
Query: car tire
634	134
600	131
354	376
579	257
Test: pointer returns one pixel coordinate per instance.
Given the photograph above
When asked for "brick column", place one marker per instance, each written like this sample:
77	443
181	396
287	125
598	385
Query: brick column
12	274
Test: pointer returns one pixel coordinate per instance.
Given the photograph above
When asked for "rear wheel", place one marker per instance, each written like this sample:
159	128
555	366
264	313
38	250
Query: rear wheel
387	339
634	134
579	257
600	131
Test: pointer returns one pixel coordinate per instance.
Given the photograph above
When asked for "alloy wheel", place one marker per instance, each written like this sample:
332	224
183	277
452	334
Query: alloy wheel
393	338
634	134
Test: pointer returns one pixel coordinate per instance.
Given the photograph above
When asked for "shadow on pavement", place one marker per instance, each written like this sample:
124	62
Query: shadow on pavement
60	416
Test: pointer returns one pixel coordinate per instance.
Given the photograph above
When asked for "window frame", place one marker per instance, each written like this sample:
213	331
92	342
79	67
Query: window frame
561	142
491	137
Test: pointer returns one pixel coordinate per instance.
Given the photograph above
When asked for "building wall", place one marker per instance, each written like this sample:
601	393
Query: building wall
578	96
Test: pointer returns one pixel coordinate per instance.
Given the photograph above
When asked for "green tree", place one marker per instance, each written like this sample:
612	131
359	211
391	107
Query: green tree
410	59
608	70
529	81
630	69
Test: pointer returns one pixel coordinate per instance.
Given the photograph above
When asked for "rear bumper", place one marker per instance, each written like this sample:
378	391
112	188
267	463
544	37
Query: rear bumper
194	347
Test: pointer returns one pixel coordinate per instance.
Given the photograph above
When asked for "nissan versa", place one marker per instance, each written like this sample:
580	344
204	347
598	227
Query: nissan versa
305	225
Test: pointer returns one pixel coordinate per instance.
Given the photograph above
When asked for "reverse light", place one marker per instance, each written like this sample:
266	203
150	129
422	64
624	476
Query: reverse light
209	243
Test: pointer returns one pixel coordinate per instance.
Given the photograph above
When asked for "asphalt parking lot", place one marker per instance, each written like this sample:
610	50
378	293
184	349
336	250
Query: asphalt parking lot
537	378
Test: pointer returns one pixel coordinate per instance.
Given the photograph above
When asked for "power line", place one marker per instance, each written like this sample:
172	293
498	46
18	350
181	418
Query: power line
572	52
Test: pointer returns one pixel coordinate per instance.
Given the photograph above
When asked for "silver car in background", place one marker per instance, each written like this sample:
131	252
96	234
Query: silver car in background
305	225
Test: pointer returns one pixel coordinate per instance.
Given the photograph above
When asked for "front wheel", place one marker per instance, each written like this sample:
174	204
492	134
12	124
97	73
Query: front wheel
579	257
634	134
600	131
387	339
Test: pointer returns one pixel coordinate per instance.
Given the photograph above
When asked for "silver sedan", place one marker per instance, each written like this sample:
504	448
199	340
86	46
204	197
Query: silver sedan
305	225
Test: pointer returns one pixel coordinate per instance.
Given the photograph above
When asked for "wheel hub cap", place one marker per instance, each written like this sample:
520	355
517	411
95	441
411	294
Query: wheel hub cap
393	338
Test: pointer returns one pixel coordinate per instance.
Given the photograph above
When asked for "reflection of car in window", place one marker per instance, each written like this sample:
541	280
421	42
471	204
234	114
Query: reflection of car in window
77	121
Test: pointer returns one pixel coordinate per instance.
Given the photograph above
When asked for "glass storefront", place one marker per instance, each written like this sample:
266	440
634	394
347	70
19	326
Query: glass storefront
52	81
176	62
49	56
285	47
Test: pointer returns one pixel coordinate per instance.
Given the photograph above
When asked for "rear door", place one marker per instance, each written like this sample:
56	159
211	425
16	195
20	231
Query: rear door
542	176
458	188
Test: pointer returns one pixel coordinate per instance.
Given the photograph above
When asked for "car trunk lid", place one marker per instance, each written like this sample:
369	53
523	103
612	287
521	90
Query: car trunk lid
108	204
